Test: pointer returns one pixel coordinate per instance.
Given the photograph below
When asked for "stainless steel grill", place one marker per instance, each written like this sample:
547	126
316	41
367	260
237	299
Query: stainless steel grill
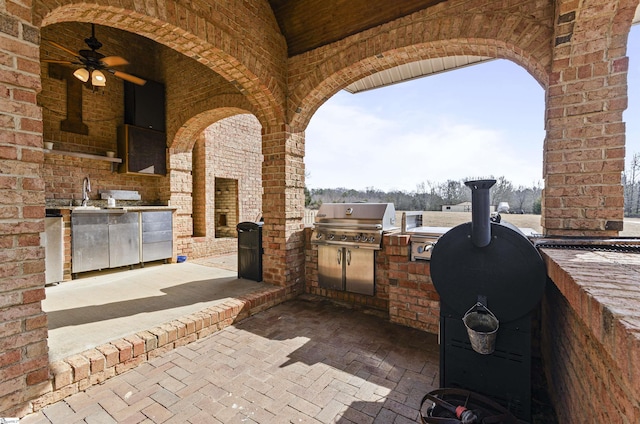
347	236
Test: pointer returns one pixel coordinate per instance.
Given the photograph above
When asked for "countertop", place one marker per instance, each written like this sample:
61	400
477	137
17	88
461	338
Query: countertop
116	209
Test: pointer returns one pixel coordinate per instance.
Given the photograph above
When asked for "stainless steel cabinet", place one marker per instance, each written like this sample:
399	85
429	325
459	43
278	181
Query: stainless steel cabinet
330	270
157	235
109	239
346	268
359	270
53	250
89	241
102	240
124	239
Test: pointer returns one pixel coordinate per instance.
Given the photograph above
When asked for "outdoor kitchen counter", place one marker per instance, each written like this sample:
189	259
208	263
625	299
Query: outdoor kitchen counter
597	301
67	212
107	209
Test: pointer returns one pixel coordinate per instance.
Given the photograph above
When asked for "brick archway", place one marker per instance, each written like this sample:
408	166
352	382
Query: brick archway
336	82
192	127
517	37
182	184
194	38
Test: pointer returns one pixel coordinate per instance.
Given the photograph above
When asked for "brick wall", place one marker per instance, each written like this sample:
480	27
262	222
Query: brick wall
23	326
591	337
586	383
413	300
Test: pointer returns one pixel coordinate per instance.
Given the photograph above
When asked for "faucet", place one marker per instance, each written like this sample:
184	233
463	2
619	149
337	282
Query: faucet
86	188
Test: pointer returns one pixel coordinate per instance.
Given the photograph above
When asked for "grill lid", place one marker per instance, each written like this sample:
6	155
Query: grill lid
382	216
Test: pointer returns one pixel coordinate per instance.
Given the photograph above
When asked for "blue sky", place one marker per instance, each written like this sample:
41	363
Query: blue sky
478	121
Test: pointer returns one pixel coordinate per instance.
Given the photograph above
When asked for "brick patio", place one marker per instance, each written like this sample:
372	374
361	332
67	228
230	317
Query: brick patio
307	360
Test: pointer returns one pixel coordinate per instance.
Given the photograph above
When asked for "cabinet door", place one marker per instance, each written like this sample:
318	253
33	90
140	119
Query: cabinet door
157	235
330	266
144	151
90	241
124	239
360	271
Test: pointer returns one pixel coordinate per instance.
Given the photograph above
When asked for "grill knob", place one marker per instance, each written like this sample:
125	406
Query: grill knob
372	239
343	238
331	236
424	248
356	238
319	236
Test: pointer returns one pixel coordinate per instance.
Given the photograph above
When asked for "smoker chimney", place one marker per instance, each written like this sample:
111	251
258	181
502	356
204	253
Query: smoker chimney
480	211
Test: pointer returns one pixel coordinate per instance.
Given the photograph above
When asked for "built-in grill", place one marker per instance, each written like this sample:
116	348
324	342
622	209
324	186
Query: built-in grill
347	236
492	272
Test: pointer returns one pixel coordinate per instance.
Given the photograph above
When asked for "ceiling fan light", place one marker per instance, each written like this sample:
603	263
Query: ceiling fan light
98	79
82	74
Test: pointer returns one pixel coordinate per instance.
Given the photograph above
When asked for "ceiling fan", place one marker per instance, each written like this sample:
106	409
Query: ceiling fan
93	63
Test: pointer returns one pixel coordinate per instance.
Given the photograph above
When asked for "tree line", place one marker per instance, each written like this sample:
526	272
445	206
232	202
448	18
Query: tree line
631	185
431	196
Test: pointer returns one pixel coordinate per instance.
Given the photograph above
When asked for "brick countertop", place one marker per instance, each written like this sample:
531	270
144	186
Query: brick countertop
603	288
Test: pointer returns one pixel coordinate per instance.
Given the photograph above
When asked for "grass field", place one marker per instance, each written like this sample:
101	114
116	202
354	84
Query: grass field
451	219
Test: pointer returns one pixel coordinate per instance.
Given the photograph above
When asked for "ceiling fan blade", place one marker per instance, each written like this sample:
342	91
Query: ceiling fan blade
63	62
72	53
128	77
114	61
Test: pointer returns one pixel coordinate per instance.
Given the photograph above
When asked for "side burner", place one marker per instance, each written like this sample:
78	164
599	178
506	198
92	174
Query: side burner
422	238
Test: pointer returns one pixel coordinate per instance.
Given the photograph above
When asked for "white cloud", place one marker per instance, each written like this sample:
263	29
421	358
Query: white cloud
350	147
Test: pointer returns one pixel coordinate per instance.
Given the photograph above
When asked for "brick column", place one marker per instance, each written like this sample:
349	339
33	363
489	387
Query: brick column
283	206
24	364
180	187
584	146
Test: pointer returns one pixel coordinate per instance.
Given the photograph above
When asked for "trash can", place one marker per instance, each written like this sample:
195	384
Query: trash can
250	250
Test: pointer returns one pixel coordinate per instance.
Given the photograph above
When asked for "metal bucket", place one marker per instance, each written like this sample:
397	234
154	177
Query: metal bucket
482	328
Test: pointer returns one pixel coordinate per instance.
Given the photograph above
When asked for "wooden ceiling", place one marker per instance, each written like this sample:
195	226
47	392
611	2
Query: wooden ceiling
308	24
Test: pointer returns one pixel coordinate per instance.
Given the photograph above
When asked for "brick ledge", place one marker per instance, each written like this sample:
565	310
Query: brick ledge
602	288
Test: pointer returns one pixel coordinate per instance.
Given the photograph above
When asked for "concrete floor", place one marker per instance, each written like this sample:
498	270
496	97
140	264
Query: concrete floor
99	307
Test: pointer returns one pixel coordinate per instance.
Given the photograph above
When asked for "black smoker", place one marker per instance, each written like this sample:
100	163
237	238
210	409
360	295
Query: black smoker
493	264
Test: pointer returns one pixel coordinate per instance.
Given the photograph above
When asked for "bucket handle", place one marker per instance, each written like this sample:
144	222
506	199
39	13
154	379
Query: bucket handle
479	305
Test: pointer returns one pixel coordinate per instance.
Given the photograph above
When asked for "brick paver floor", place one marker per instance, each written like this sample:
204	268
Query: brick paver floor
305	361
